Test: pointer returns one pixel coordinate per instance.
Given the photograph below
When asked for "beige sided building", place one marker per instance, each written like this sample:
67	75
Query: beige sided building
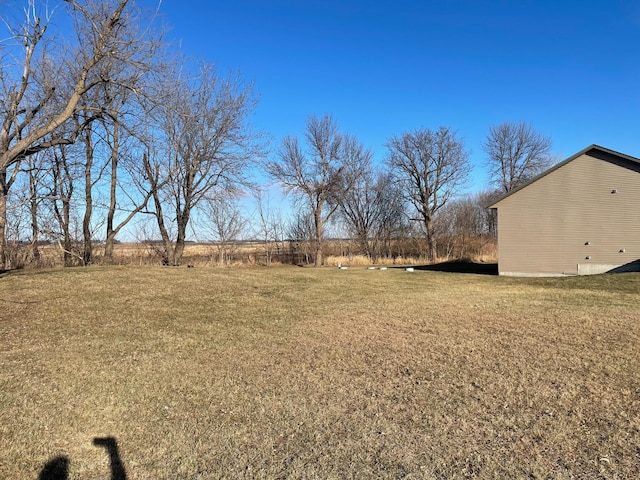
580	217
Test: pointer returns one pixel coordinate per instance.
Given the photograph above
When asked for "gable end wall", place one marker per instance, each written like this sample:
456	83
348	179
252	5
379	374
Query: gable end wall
570	217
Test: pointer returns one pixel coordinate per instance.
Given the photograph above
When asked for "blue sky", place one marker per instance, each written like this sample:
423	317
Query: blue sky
569	68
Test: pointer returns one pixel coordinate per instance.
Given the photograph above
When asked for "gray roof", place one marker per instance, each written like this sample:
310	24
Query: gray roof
589	149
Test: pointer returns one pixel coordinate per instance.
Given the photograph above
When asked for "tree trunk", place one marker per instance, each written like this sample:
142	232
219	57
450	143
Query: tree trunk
111	235
3	222
178	251
5	185
109	244
432	253
365	246
63	192
173	253
67	243
317	217
153	174
33	210
87	256
169	251
169	254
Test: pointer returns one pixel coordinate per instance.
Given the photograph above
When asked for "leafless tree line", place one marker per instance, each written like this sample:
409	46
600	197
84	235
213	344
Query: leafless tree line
109	124
110	117
414	199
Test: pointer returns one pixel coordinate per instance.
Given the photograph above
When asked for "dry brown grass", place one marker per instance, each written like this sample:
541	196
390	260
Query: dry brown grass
363	261
319	373
251	253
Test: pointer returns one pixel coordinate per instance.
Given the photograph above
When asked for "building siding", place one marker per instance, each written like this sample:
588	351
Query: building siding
570	217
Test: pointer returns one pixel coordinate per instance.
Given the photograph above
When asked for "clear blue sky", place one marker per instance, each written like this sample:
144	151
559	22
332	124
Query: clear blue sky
570	68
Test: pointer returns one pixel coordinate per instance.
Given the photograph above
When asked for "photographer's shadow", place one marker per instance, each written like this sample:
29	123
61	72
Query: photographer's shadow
55	469
58	468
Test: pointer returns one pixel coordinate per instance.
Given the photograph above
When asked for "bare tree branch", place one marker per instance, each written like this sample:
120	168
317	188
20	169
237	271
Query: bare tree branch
322	175
430	167
515	154
208	145
44	83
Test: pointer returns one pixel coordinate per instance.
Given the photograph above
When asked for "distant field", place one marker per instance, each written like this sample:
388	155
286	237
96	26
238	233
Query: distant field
318	373
250	253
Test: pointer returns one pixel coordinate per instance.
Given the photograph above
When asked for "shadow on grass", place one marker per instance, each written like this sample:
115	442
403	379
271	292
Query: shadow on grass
55	469
461	267
58	468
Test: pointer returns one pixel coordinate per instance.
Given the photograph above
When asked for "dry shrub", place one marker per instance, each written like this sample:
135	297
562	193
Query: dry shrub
405	252
361	260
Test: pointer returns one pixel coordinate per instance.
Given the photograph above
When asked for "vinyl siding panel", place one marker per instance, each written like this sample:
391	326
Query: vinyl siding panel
570	217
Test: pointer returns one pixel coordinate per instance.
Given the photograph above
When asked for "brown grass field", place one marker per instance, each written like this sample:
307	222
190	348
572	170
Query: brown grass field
317	373
245	253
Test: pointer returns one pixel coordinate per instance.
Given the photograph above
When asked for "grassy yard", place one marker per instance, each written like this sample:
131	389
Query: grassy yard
303	373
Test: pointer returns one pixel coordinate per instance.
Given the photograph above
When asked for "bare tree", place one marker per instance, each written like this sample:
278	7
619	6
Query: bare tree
42	85
301	234
489	215
226	224
430	167
321	175
515	154
269	225
35	176
18	227
121	133
24	205
90	181
363	209
65	171
207	145
466	225
394	220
